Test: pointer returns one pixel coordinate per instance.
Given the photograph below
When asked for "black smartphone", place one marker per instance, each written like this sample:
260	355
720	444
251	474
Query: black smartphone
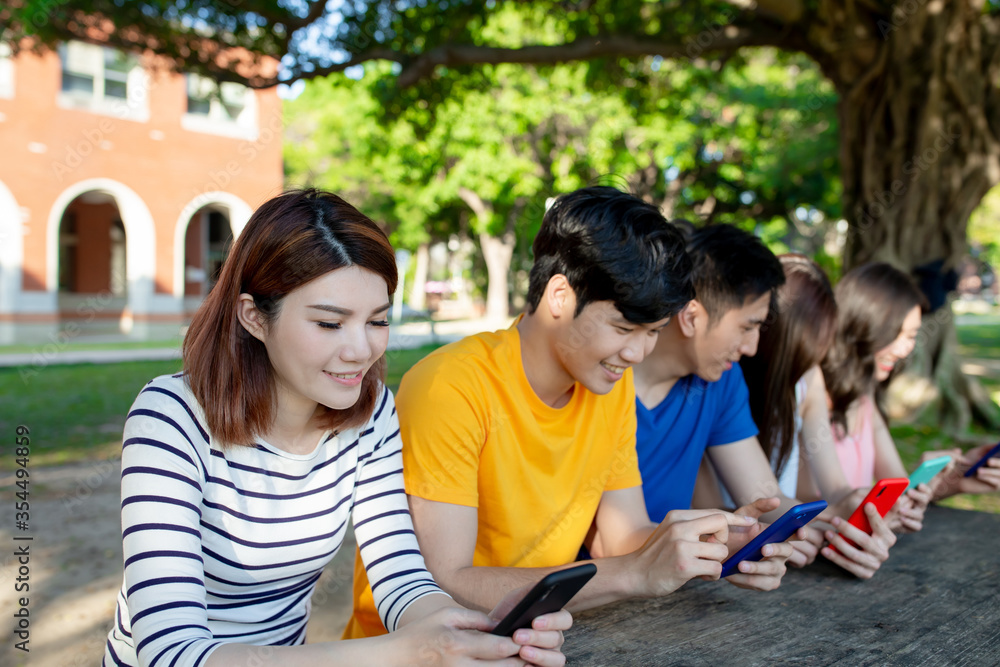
549	595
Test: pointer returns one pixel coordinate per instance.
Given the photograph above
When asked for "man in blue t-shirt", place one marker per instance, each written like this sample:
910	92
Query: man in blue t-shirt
672	435
691	399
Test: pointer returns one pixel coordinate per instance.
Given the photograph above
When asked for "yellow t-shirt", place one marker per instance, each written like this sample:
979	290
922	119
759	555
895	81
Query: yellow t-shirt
475	434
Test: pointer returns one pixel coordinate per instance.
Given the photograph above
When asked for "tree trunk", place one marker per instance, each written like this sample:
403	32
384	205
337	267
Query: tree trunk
934	376
918	148
497	252
418	298
918	123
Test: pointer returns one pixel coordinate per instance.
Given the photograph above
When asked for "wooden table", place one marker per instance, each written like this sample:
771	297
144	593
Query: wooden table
935	602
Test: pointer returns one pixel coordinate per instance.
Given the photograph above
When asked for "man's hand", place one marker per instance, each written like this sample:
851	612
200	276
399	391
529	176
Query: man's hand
765	574
952	480
676	552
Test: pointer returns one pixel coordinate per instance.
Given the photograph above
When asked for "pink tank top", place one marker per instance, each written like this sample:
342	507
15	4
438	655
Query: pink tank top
856	450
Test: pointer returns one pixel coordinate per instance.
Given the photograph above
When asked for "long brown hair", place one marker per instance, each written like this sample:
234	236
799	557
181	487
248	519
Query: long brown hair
873	301
290	240
794	340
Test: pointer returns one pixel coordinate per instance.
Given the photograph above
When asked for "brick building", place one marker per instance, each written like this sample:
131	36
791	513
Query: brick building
120	186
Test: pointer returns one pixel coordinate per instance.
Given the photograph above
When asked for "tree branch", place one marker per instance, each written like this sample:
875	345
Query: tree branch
784	11
475	202
724	39
315	12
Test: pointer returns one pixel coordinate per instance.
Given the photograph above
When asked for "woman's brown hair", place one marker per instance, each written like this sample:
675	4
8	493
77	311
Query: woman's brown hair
290	240
873	300
793	340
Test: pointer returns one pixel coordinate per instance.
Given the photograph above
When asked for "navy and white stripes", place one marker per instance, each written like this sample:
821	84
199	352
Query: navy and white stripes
228	546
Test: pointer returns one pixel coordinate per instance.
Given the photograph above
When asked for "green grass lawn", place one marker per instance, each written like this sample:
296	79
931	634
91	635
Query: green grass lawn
45	349
76	412
979	340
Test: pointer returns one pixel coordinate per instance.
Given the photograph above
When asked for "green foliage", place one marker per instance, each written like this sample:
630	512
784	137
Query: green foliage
188	32
315	37
749	147
984	229
979	341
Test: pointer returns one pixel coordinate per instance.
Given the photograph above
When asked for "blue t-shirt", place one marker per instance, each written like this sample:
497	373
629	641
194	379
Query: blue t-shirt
672	437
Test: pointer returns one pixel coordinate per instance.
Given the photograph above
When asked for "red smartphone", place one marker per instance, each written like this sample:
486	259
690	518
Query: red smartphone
883	495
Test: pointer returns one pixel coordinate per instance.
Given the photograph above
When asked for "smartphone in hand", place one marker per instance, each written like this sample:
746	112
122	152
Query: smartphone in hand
549	595
986	457
779	531
926	471
883	495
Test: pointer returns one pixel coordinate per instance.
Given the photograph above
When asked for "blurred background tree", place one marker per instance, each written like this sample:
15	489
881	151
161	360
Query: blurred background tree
718	111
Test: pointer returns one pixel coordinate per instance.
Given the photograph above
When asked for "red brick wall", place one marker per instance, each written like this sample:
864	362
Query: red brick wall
166	173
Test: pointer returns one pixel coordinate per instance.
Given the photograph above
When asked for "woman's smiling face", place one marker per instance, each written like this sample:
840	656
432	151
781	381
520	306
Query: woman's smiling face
327	335
899	349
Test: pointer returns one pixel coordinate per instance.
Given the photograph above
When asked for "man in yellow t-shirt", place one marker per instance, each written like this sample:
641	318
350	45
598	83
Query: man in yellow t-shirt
519	445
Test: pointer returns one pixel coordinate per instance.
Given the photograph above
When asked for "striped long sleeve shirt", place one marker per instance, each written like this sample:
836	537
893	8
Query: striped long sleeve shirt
227	545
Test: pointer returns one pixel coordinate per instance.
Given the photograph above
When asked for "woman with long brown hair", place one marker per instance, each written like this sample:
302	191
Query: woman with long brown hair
239	475
880	315
877	324
792	344
788	404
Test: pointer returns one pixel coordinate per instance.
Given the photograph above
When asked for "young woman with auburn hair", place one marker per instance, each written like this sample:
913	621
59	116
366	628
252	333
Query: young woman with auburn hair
240	474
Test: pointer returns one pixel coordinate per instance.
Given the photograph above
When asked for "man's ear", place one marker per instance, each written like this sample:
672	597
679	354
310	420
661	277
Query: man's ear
559	297
690	316
249	316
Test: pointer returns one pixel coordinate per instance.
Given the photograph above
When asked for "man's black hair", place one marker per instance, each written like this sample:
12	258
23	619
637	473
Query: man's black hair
731	266
612	246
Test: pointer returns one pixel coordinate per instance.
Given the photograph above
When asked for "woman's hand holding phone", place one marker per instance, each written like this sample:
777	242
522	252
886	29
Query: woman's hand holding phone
952	481
856	551
908	514
806	545
540	644
526	614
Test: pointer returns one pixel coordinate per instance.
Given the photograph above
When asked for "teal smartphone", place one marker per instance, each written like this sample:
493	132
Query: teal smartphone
925	471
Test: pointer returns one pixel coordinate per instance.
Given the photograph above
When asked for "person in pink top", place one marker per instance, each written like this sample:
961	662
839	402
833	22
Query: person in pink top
856	448
879	314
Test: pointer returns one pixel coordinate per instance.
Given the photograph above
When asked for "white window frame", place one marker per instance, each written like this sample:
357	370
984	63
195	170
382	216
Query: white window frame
90	60
218	119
